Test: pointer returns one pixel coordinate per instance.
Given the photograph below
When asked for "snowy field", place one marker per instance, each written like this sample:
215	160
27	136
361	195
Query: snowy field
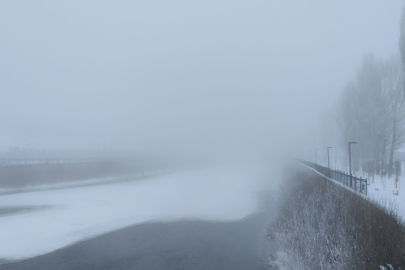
61	217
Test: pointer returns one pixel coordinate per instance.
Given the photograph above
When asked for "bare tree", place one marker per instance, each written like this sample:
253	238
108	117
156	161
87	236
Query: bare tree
393	77
402	38
402	43
365	111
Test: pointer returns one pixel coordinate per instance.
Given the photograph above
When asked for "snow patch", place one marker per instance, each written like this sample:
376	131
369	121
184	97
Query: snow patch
75	214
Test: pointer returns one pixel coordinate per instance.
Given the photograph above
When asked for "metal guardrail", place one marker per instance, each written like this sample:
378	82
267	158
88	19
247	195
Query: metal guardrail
358	184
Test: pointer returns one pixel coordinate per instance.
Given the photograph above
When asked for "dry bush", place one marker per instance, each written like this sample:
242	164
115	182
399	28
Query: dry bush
324	226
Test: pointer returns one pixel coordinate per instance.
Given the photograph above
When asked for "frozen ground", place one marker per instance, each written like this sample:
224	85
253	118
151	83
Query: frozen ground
382	191
60	217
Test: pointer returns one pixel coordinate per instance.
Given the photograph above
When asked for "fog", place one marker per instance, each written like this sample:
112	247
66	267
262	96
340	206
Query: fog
155	114
216	77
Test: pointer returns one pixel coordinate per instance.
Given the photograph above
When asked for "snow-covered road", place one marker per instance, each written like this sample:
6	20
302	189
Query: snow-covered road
65	216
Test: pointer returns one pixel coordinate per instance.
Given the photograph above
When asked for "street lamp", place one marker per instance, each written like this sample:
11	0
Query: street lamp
327	149
316	160
350	163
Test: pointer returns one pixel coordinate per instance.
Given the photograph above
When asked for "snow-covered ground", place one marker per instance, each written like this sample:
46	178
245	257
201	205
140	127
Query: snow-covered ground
61	217
382	190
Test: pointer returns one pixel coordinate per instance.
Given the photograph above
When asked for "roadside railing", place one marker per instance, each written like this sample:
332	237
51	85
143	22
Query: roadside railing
358	184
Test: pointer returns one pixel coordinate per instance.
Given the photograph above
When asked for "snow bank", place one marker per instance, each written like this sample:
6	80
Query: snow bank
381	193
66	216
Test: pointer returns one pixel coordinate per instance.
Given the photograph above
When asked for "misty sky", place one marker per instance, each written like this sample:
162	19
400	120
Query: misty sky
188	75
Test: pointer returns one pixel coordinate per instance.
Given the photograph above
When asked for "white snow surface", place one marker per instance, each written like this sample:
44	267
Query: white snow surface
66	216
380	191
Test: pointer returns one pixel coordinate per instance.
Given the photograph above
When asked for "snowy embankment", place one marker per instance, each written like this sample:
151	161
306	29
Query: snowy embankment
382	192
328	226
62	217
387	196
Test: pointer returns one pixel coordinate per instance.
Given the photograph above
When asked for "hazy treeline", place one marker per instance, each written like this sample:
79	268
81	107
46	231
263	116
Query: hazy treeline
32	153
30	175
21	176
371	110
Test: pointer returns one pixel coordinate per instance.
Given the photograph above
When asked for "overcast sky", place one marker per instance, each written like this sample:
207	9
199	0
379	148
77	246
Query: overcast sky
164	75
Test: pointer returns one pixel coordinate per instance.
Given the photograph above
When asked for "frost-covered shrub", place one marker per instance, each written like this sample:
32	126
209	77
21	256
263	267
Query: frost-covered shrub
324	226
312	228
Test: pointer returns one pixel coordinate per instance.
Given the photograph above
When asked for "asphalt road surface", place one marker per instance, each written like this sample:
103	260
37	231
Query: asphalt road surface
169	246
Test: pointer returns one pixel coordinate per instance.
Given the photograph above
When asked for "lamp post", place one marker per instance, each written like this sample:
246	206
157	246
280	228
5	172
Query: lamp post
327	149
350	163
104	149
316	160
